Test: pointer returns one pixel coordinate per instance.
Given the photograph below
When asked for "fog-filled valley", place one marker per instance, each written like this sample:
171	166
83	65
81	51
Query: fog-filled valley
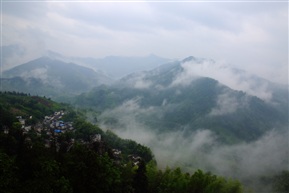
193	113
191	120
144	96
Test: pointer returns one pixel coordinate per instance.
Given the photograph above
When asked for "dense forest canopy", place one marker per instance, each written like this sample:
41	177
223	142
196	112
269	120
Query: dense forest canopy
28	165
74	162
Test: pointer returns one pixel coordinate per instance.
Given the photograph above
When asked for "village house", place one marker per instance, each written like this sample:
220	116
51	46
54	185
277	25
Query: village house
96	138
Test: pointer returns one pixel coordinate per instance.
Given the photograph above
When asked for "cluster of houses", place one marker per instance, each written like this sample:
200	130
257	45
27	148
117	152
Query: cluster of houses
22	121
135	159
53	125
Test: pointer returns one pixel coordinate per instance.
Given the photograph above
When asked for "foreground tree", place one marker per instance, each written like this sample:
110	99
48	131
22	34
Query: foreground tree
281	182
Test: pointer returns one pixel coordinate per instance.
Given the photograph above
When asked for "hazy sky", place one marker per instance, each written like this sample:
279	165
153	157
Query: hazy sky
253	35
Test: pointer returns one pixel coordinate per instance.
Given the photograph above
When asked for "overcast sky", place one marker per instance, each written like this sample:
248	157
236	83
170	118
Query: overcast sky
253	35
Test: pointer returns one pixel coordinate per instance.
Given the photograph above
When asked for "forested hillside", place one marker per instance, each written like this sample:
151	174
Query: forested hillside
234	116
50	148
197	113
51	77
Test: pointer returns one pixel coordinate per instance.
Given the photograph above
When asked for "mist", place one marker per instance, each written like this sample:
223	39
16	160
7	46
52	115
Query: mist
251	35
202	149
226	74
226	104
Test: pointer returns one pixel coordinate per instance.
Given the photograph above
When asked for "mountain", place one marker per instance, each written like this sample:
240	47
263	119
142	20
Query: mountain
194	113
49	145
114	67
118	66
172	98
53	78
198	113
11	55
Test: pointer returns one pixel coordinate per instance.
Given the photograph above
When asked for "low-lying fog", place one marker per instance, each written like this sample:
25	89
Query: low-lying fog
248	162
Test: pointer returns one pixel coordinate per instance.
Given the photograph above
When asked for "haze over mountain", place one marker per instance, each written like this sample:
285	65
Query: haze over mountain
53	78
114	67
184	94
199	113
228	115
55	75
117	67
193	113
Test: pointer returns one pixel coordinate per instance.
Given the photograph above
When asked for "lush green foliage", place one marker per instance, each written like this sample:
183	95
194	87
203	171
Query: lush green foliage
28	166
57	79
190	106
281	182
128	147
174	180
35	168
33	108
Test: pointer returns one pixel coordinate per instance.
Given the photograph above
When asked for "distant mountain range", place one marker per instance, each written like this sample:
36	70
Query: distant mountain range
183	95
58	76
193	113
171	98
114	66
53	78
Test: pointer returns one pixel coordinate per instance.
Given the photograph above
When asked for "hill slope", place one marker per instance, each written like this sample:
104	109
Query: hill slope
198	114
114	66
45	76
163	101
43	161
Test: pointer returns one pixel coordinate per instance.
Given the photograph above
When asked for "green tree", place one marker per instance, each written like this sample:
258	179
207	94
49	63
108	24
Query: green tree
127	173
8	173
154	177
89	172
140	181
281	182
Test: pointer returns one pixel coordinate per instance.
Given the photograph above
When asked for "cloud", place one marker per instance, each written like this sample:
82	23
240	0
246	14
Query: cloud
30	11
38	73
19	35
249	35
225	74
201	149
129	16
226	104
140	83
126	120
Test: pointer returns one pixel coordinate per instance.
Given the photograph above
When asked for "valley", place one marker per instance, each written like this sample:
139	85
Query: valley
144	96
189	117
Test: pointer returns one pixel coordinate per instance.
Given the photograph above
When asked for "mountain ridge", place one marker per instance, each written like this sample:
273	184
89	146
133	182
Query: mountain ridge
64	78
170	94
